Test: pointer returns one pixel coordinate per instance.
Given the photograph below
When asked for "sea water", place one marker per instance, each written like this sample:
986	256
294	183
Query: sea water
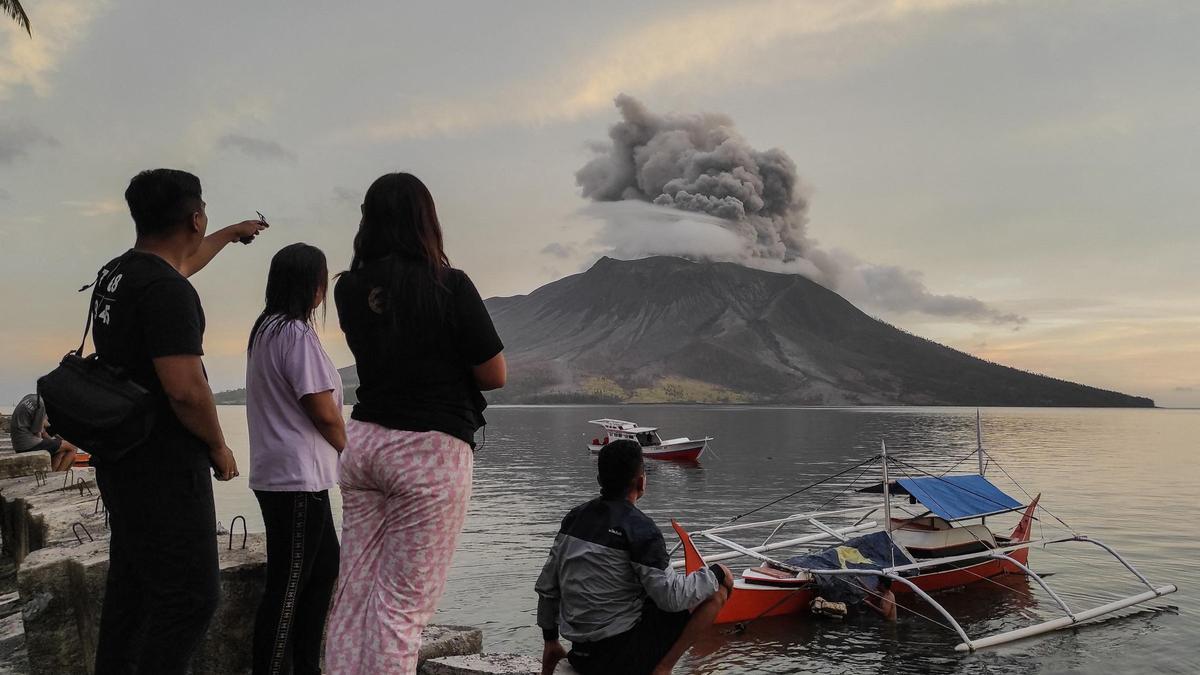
1130	478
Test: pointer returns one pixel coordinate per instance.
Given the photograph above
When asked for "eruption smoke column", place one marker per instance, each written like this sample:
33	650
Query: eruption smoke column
664	166
700	163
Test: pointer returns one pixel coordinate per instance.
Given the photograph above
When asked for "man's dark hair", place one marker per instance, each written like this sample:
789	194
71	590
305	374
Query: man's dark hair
620	463
161	199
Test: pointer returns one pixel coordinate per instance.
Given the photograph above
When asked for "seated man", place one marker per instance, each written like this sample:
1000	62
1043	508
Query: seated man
608	585
28	428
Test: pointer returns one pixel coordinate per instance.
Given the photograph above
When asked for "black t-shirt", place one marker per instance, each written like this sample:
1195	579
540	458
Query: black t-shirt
145	309
417	378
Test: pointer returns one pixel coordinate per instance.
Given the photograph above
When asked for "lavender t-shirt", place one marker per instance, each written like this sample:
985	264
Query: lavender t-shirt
287	453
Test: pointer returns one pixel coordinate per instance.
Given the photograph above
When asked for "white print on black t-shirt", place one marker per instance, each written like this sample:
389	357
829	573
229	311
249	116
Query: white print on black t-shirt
103	314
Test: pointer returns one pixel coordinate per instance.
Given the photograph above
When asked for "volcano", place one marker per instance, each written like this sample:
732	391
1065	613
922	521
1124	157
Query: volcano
666	329
669	330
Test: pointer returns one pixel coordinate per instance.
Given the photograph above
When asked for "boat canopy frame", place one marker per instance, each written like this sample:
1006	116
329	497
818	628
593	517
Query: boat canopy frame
622	426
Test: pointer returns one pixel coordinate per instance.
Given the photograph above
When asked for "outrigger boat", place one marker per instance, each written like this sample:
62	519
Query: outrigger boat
653	447
927	548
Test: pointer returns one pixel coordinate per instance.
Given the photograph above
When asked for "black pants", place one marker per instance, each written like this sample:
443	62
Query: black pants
302	569
162	586
637	651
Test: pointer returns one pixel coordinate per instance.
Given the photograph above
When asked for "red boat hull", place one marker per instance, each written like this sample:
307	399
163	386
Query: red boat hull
752	601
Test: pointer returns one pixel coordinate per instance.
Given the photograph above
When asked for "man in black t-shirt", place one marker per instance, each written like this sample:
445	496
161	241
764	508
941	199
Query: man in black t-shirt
162	575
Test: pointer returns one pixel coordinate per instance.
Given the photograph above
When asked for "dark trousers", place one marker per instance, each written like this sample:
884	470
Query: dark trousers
637	651
302	569
162	586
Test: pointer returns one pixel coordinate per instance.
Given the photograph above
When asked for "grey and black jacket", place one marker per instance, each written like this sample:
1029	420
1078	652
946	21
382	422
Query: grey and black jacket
607	560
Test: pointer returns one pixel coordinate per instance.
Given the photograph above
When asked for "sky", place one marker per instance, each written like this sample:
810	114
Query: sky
1037	156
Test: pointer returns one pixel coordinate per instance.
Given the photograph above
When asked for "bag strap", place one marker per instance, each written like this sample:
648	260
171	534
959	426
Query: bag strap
95	286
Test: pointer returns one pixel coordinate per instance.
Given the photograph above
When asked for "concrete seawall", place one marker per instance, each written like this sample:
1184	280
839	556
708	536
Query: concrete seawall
61	541
55	533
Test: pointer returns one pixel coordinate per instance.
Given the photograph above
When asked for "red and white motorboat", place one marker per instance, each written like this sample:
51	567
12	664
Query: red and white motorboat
927	548
653	447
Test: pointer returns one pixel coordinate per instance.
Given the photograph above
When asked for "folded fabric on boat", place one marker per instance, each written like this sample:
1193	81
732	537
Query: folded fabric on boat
873	551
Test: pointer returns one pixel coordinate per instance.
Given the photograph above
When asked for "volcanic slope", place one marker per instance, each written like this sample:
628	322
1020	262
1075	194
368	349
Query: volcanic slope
670	330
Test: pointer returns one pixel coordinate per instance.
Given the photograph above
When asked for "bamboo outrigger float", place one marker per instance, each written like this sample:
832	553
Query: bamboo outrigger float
925	550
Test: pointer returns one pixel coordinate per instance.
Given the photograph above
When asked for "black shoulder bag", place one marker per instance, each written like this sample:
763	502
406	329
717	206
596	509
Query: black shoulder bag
95	405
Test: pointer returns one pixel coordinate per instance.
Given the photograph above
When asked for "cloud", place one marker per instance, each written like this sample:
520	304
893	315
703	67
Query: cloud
58	26
4	194
634	229
701	46
256	148
903	290
17	140
1184	389
558	250
347	195
102	207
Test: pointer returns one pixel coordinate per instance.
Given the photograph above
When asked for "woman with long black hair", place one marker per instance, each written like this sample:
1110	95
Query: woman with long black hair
294	415
425	347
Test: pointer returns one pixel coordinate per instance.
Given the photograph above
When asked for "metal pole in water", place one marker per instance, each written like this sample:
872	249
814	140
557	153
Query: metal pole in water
979	441
887	501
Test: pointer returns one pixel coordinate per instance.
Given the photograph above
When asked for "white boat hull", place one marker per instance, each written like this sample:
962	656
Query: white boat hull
679	449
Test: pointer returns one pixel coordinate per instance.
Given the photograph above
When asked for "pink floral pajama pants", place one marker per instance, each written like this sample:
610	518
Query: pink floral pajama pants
404	499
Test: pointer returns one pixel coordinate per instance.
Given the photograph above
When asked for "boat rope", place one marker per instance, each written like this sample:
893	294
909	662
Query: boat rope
981	542
843	491
955	465
741	627
806	487
1022	488
864	589
969	491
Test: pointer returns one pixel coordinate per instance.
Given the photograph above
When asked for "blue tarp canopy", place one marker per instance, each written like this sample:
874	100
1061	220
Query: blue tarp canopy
958	497
954	497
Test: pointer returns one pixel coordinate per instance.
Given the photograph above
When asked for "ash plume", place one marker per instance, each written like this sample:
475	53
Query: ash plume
699	163
691	185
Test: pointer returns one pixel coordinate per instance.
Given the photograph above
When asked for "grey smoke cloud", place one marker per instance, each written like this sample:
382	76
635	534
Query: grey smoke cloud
18	139
256	148
558	250
700	163
903	290
691	185
346	195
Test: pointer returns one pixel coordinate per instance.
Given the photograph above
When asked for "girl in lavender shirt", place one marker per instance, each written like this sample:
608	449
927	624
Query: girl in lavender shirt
294	414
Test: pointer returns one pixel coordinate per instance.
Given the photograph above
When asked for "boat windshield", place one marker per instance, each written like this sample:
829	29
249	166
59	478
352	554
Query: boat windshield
647	438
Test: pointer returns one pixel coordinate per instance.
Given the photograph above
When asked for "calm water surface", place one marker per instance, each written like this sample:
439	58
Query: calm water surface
1127	477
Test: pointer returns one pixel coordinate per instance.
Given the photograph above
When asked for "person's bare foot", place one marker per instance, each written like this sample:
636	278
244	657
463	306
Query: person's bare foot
64	460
